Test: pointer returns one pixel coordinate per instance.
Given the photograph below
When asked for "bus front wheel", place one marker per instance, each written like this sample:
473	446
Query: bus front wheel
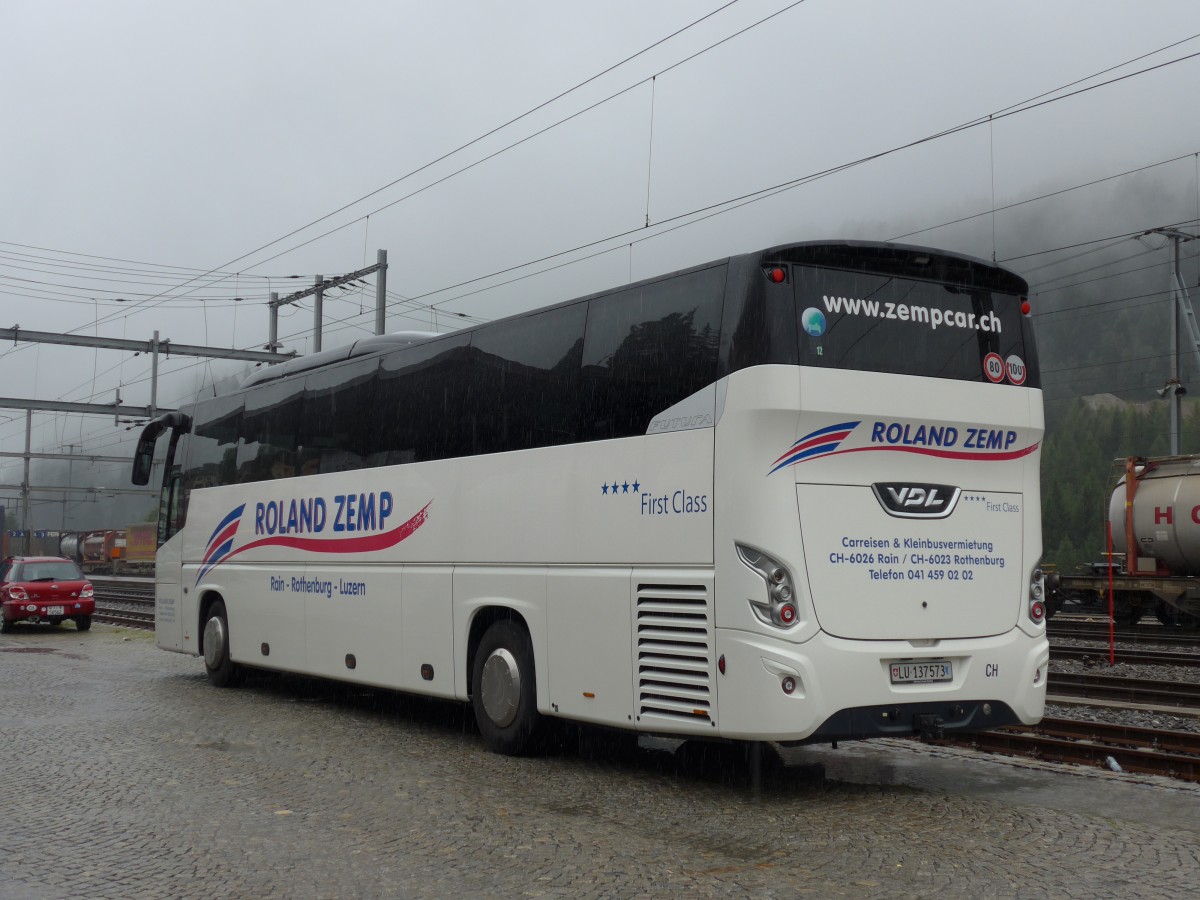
503	693
222	671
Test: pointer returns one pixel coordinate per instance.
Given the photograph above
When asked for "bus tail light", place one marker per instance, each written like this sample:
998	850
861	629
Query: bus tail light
777	605
1037	596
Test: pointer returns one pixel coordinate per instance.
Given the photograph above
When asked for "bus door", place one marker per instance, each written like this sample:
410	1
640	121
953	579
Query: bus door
168	593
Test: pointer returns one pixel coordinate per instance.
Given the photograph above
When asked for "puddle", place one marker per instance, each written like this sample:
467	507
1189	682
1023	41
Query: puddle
28	649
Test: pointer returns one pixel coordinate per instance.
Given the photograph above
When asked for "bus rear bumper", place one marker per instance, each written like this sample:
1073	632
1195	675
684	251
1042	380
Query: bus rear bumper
830	688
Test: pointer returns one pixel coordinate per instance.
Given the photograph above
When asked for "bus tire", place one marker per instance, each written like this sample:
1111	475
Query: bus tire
222	671
503	691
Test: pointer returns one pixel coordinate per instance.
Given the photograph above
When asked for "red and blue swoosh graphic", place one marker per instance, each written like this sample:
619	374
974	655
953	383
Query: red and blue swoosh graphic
827	442
220	544
824	442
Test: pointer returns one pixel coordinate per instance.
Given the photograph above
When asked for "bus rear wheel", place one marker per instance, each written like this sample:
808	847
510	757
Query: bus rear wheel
503	693
222	671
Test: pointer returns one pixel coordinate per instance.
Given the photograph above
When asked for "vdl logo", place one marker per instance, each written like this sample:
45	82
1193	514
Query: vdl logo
916	501
812	320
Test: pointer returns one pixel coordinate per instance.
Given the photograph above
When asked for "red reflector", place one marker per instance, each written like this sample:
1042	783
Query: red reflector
721	664
1037	611
1025	307
777	275
787	613
789	684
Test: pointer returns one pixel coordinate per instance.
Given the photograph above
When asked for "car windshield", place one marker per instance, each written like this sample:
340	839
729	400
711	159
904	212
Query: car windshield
51	570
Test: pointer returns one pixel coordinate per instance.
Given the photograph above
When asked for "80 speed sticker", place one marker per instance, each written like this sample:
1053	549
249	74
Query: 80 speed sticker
993	368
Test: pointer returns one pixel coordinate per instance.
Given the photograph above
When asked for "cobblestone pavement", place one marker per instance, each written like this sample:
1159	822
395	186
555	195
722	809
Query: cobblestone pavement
123	774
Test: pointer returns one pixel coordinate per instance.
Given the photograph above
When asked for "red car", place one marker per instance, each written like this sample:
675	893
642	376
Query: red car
44	589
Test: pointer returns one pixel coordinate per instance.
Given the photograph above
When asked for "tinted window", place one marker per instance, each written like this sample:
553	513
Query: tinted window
420	403
270	428
339	422
213	445
525	381
646	349
759	326
878	323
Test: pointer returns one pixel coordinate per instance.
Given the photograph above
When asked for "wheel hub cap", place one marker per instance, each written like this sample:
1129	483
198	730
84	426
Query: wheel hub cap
214	642
501	687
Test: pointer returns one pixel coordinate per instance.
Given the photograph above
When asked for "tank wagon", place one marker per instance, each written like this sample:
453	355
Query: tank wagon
1153	564
125	551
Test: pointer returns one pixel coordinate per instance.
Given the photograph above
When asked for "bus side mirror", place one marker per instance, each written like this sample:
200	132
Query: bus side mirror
143	461
143	457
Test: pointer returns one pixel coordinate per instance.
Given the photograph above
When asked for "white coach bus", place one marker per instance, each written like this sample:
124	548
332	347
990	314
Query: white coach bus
789	495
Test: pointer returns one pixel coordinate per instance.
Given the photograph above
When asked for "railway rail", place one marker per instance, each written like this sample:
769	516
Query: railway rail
131	618
1125	690
124	601
1138	634
1147	751
1137	657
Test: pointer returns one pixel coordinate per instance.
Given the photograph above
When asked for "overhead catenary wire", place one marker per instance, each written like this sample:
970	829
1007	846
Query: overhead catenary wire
1023	106
1040	290
748	196
1012	109
477	140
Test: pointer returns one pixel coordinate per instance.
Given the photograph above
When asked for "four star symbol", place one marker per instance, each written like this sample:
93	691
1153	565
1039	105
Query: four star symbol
621	487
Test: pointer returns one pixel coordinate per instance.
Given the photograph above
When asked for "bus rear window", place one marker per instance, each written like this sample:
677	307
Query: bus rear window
879	323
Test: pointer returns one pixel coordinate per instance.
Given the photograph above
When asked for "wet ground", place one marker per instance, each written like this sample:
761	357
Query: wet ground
126	775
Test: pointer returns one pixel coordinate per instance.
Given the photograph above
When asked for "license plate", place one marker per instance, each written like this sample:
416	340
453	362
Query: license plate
922	672
55	611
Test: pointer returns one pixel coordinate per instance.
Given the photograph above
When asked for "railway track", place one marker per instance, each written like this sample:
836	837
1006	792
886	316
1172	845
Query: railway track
1147	751
130	618
125	601
1120	689
1138	634
1132	657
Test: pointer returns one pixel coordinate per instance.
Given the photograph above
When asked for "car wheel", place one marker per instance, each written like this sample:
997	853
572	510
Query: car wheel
56	622
503	692
222	671
6	625
82	623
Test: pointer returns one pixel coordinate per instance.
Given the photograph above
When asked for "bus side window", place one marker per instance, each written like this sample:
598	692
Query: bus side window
336	429
421	397
272	416
648	348
524	389
212	450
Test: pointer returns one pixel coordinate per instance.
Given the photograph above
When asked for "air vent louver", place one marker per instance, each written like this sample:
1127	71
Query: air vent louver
674	654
